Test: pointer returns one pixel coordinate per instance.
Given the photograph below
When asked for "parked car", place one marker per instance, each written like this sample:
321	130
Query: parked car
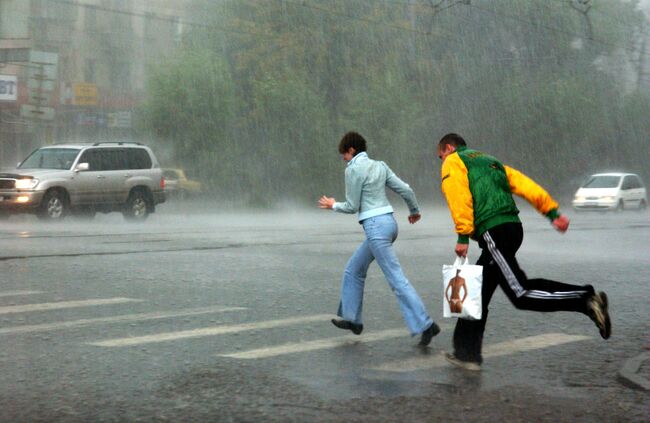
611	191
82	179
178	184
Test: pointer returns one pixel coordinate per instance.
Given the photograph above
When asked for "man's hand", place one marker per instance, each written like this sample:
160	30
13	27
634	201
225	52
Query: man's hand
414	218
326	202
561	223
461	250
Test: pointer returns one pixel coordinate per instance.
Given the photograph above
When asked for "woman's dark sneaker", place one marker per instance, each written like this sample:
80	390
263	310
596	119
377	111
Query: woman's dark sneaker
344	324
428	334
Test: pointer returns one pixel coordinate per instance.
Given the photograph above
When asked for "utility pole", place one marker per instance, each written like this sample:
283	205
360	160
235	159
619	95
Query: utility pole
583	7
41	83
12	55
643	60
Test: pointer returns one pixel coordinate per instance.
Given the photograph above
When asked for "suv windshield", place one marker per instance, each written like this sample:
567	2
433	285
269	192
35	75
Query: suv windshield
603	181
50	158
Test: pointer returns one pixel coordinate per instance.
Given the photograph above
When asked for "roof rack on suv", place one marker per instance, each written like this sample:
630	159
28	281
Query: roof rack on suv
117	142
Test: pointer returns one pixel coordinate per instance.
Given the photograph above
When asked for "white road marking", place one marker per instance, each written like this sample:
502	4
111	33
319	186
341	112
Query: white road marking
64	304
210	331
16	293
318	344
495	350
115	319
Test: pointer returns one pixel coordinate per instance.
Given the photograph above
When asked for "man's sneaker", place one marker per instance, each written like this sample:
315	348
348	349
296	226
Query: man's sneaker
345	324
467	365
429	333
599	313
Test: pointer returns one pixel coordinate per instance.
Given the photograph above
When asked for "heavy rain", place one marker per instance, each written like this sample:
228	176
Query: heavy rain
164	257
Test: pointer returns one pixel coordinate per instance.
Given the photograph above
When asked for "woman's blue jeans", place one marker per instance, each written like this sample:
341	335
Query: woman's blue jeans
381	232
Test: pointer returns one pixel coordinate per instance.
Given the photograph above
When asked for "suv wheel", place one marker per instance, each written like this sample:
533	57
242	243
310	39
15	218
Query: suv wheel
642	205
620	207
54	206
137	206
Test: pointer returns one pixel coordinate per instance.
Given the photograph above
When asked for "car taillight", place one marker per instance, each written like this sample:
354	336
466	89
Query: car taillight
162	182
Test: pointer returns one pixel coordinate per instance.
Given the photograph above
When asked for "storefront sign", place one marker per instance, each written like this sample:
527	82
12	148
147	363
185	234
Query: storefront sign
8	88
90	119
119	119
33	112
84	94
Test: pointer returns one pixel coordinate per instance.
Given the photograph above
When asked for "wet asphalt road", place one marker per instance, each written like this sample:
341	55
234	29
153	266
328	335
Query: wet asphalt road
225	317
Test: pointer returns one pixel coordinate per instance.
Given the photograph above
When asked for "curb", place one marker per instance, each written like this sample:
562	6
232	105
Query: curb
629	372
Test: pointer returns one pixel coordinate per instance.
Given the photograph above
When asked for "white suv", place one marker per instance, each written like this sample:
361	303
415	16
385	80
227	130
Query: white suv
82	179
611	191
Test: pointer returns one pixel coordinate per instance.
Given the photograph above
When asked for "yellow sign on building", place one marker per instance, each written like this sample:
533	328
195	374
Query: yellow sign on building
84	94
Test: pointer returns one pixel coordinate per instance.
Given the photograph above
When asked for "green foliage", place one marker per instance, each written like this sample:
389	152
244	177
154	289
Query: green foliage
261	92
191	105
291	149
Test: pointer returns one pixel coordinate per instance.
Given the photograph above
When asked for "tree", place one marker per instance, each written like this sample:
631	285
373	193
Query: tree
262	91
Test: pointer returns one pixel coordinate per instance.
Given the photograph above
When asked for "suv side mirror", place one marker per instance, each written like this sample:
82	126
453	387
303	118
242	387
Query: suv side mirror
81	167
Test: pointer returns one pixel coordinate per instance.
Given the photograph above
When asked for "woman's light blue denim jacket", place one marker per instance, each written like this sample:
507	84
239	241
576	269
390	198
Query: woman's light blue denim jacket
365	188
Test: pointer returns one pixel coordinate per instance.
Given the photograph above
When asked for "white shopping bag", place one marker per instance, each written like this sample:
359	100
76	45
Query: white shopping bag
461	289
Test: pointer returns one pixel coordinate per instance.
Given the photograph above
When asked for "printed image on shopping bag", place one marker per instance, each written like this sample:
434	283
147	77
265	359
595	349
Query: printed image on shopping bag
454	286
461	289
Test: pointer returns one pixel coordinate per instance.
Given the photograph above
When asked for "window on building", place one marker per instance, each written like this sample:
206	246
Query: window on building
149	31
178	30
121	21
121	76
91	19
89	71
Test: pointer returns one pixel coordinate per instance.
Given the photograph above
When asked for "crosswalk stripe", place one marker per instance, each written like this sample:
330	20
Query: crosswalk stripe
114	319
17	293
318	344
495	350
64	304
209	331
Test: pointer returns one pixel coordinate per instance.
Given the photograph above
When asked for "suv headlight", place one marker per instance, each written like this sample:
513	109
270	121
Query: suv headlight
26	183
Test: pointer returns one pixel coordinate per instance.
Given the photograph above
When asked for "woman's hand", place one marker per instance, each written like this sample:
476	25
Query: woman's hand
414	218
326	202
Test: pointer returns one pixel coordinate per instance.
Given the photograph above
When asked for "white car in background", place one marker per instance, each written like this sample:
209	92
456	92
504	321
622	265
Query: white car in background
611	191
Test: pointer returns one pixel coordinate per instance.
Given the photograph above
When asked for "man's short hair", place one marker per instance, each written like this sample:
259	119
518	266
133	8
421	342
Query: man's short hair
354	140
451	139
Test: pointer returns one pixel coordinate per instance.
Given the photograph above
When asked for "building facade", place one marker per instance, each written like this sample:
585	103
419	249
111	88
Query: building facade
76	70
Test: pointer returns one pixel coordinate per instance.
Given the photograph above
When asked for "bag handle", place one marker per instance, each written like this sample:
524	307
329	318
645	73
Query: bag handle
460	261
